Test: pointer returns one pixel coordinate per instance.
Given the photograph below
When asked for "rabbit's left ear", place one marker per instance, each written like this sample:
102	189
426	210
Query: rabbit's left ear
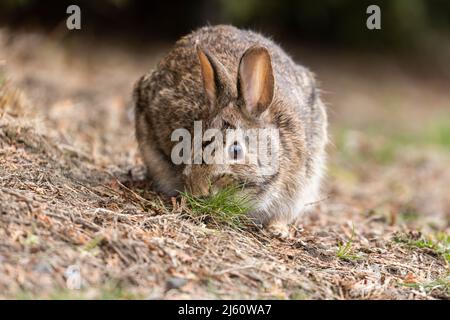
216	80
255	80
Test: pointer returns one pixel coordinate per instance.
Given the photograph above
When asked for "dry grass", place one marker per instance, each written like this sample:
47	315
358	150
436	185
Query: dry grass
73	192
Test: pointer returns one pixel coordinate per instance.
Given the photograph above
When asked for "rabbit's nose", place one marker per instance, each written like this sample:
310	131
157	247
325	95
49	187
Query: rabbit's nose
222	182
200	191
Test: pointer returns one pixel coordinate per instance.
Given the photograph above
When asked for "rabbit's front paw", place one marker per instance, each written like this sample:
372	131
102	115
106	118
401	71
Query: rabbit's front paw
279	229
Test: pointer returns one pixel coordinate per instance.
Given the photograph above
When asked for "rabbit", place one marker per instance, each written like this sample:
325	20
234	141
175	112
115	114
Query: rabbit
232	78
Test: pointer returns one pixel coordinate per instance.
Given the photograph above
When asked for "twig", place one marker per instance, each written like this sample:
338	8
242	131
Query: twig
233	269
316	202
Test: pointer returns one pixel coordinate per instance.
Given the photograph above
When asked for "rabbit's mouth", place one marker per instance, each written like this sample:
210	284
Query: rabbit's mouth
201	183
221	182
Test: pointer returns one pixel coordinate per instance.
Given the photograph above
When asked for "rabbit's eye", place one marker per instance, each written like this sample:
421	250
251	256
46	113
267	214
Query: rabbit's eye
226	125
235	151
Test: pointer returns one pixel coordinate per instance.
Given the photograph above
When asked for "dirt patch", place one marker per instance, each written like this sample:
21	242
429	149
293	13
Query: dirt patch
74	199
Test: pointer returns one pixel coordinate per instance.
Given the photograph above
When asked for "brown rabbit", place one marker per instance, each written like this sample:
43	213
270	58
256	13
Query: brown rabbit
230	78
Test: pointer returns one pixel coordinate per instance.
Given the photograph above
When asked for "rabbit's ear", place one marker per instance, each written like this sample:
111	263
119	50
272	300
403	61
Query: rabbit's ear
216	81
255	80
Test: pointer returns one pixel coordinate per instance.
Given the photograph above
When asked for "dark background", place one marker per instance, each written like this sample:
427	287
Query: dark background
406	24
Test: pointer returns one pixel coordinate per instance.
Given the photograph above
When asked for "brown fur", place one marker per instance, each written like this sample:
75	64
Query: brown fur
205	77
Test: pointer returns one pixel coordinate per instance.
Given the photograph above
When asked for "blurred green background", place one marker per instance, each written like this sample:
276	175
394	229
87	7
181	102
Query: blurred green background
406	24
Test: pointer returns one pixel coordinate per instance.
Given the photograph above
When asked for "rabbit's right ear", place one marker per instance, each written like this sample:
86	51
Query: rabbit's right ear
216	81
256	80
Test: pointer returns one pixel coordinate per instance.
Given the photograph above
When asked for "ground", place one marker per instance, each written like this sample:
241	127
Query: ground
74	198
